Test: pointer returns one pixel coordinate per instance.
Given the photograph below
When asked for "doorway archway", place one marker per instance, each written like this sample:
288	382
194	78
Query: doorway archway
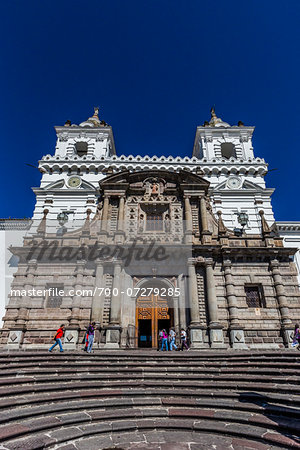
154	311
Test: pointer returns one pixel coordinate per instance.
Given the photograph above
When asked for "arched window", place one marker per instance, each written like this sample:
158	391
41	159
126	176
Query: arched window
81	148
228	150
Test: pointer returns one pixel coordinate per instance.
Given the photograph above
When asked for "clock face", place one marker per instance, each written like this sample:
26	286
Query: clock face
234	182
74	182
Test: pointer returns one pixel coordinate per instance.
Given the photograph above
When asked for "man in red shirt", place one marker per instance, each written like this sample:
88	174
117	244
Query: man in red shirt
58	335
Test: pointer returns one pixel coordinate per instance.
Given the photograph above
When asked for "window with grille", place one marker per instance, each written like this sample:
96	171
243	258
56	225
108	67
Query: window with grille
154	222
53	297
254	296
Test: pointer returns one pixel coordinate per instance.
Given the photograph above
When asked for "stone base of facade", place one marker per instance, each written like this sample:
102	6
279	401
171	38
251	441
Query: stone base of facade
216	336
71	338
15	338
113	336
197	337
201	337
288	334
264	338
237	339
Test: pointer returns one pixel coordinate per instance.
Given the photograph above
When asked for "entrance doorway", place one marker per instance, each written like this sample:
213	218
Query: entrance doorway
153	314
145	333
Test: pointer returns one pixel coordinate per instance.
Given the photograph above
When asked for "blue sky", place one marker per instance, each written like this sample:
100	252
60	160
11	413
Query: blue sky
154	68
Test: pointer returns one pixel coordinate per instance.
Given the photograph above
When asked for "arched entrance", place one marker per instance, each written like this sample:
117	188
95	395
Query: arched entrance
154	312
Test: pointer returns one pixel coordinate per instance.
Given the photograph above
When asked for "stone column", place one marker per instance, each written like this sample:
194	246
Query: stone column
215	328
205	233
72	330
97	303
104	224
193	294
286	323
196	331
237	337
182	304
203	211
188	220
113	331
121	213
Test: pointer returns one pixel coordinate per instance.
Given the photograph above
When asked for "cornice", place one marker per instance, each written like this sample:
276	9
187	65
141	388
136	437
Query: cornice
117	163
290	226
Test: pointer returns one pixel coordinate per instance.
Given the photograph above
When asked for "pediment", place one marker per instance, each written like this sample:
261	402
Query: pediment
246	186
61	184
58	184
136	179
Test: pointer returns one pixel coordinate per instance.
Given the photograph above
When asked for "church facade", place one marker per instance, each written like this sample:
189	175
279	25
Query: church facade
137	244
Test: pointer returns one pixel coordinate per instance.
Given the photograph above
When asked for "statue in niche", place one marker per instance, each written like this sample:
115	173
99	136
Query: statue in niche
141	223
155	189
167	223
99	210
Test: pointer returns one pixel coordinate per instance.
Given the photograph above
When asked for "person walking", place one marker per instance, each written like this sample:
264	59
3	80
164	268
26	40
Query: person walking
159	339
296	336
57	338
91	335
172	336
183	339
164	340
97	336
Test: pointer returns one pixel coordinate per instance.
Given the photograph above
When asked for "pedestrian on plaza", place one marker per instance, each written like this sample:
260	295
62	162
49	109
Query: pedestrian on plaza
97	336
85	340
296	336
172	337
159	339
164	340
57	338
183	338
90	335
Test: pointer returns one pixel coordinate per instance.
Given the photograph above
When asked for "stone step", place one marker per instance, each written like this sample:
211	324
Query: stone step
233	406
148	384
145	375
169	369
71	400
208	397
86	427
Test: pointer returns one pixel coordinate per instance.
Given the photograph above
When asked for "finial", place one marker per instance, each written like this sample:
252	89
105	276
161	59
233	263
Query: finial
42	226
264	225
240	123
221	227
68	123
96	111
86	226
213	112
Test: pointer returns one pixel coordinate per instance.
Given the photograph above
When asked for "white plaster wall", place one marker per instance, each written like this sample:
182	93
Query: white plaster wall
290	231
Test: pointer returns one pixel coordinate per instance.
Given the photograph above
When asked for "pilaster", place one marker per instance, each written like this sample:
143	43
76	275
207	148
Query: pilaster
215	328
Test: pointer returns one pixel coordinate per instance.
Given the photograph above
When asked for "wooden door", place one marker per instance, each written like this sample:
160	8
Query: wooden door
155	308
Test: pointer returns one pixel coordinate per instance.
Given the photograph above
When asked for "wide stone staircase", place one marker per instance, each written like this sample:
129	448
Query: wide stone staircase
150	400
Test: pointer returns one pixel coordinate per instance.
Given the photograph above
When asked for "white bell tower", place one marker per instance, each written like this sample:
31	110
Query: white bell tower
226	157
91	138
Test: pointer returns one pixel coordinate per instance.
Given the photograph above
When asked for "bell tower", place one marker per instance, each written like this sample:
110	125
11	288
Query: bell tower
226	159
218	140
91	138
